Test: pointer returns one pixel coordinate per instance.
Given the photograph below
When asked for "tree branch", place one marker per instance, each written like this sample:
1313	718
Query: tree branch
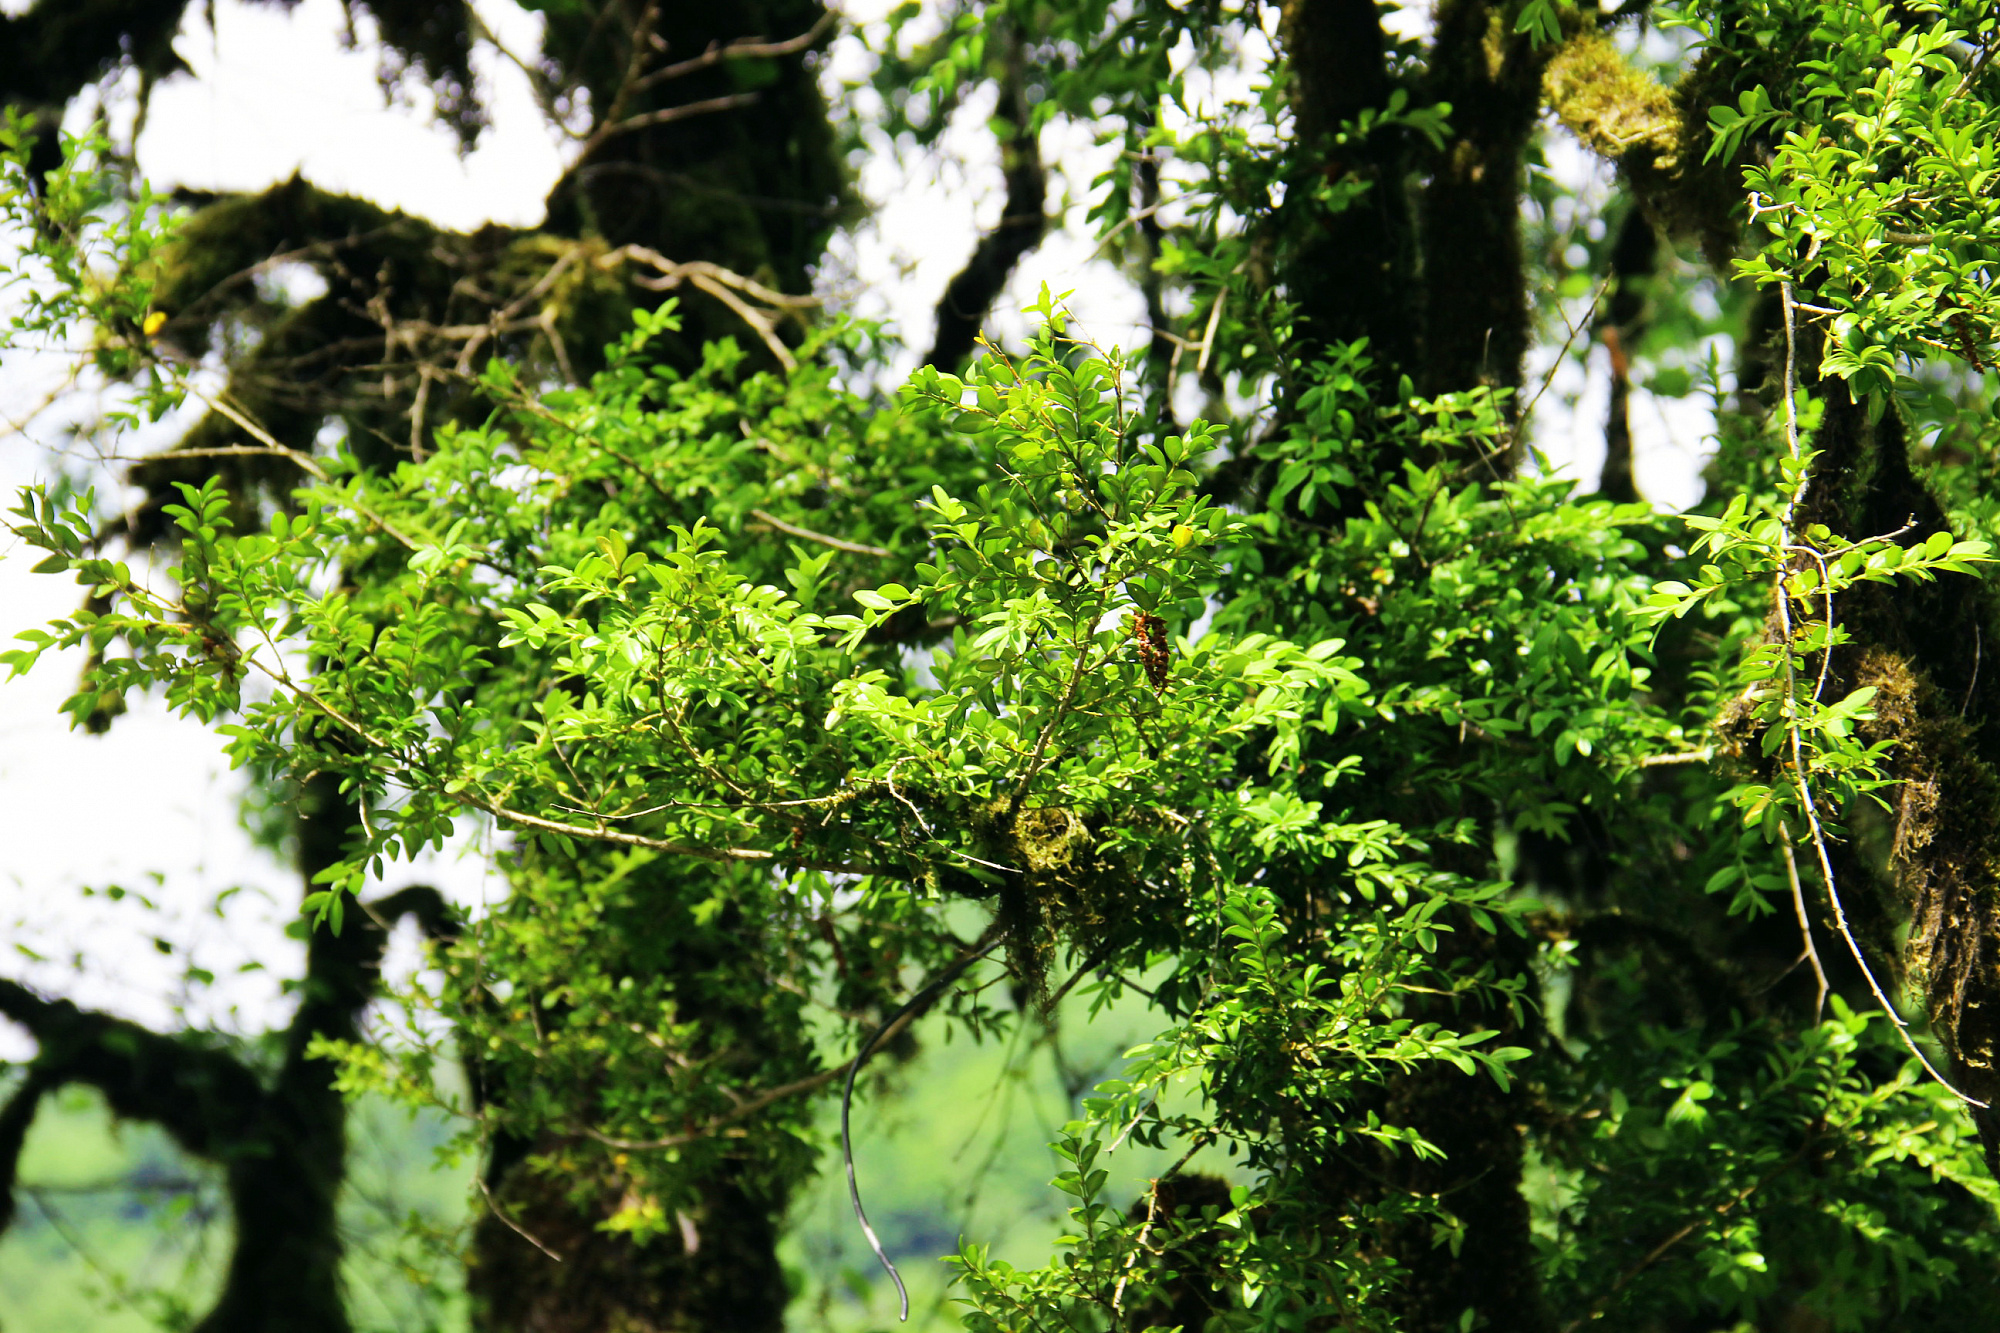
15	1119
807	534
201	1097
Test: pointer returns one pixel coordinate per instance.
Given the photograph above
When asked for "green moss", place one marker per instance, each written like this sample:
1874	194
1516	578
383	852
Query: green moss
1060	888
1657	135
1615	109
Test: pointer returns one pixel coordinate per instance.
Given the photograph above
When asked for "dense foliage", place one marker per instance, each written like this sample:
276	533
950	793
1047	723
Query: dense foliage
1523	900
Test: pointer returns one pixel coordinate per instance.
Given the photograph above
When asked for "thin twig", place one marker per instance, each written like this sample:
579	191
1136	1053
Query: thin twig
749	315
1701	756
628	83
889	779
675	272
499	811
1595	298
419	412
667	115
715	1126
1805	922
741	49
512	1225
1091	964
807	534
1152	1212
1033	768
1972	684
1131	219
917	1003
723	285
1807	802
20	426
221	403
1973	71
1208	334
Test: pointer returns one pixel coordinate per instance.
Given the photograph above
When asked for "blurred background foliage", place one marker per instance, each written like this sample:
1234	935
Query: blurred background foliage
119	1231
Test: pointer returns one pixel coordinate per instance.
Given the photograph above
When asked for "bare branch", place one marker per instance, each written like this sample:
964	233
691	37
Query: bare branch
600	834
686	111
807	534
1805	923
711	1128
718	282
501	1213
743	48
1800	765
918	1003
1701	756
221	404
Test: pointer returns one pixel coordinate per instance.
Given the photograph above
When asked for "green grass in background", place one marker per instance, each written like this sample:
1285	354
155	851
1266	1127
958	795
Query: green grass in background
119	1232
958	1149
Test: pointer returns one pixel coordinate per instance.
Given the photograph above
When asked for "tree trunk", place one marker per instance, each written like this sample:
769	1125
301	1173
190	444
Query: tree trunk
718	1271
1922	645
1438	291
1475	298
282	1147
1351	269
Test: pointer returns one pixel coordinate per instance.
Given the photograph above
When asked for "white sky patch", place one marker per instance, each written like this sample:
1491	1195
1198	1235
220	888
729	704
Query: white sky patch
151	807
273	93
1672	437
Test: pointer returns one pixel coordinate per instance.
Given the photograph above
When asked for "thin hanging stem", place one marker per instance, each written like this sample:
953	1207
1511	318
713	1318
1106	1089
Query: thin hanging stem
1795	733
1805	922
916	1004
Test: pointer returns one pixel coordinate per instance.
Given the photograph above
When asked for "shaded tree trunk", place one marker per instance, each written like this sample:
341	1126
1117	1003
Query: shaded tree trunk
1923	647
970	295
281	1144
1632	260
1351	269
1432	277
543	1260
1475	295
549	1268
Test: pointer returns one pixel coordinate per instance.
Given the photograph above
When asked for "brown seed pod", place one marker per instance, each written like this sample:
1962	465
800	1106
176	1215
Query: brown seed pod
1150	632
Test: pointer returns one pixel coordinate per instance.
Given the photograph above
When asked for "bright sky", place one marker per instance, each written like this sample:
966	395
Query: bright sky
152	807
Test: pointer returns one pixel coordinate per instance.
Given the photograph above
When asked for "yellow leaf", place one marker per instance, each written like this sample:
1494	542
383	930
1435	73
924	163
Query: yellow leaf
154	321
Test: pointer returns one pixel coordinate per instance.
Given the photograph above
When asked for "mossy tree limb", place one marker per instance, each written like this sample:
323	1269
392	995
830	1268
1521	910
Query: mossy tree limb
1922	647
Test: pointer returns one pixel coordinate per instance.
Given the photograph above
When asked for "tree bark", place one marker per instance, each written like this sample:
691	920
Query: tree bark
1475	296
1632	259
718	1271
1350	270
1437	289
1922	646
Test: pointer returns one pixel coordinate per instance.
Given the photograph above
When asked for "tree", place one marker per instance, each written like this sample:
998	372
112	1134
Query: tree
704	139
1520	893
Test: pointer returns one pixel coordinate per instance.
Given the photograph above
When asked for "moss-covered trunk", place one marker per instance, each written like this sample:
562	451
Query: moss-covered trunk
1923	647
717	1270
1425	262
